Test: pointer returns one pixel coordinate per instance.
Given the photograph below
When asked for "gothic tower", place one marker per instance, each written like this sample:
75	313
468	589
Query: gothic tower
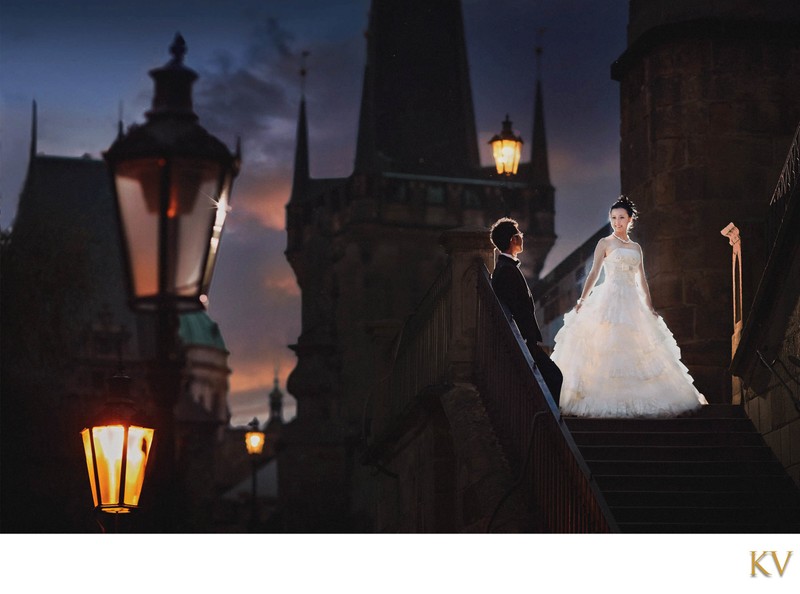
365	249
710	98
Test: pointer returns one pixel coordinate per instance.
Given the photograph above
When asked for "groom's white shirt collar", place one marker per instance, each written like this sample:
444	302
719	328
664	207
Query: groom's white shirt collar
509	256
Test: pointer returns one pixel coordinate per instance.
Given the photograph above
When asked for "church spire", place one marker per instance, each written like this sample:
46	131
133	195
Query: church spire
276	403
301	165
416	108
366	153
34	132
540	171
120	131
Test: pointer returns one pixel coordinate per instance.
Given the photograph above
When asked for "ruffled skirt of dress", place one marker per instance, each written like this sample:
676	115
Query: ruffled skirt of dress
619	360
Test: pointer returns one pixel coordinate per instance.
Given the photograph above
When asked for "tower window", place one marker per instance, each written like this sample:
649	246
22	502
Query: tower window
471	199
435	195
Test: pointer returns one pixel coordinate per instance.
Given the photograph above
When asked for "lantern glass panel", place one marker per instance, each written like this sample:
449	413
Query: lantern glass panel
139	442
497	154
512	150
87	450
138	185
193	210
108	443
222	208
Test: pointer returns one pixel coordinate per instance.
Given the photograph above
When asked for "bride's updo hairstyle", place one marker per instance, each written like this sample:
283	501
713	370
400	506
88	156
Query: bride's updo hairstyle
624	202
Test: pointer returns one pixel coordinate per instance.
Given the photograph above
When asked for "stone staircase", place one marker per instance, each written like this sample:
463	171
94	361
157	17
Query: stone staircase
709	472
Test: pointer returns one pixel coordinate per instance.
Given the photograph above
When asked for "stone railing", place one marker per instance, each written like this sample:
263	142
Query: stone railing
460	340
434	348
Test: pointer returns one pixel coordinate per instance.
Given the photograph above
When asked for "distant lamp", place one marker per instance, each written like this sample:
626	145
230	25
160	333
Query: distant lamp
172	182
254	439
506	149
116	452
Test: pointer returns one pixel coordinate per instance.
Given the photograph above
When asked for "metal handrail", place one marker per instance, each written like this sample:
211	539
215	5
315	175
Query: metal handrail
784	190
420	356
559	486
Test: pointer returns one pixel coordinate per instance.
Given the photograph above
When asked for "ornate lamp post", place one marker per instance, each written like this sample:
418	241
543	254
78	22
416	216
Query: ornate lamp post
173	181
506	149
254	441
172	184
117	449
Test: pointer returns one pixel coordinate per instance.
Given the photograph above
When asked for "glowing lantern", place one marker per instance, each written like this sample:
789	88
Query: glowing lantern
506	149
254	440
116	452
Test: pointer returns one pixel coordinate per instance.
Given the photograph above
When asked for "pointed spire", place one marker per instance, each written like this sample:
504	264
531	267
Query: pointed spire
301	160
120	130
303	72
276	403
366	153
540	171
34	132
417	113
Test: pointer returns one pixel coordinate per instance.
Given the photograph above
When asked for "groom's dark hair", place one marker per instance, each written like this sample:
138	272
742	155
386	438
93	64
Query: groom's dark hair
502	231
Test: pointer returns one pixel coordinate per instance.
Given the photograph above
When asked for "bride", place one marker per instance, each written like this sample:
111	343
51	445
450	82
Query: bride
617	355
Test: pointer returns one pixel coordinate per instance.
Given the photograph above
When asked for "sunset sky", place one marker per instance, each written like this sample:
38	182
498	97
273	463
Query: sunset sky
86	62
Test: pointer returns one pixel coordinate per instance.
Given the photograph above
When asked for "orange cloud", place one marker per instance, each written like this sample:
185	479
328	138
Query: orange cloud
264	199
284	283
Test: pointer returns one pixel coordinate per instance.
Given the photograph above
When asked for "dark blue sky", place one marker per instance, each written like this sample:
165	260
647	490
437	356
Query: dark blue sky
81	60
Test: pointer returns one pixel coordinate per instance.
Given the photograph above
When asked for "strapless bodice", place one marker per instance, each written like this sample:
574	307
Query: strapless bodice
621	265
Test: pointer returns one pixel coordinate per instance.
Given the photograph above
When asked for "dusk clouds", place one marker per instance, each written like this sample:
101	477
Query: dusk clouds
255	298
81	61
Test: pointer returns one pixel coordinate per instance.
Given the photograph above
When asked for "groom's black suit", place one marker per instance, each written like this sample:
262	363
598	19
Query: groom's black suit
512	289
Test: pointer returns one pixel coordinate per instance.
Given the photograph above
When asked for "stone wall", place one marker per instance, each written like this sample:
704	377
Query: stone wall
450	474
708	108
773	411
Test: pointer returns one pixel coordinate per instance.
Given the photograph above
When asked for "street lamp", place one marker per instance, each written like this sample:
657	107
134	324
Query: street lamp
172	185
172	181
254	441
117	449
506	150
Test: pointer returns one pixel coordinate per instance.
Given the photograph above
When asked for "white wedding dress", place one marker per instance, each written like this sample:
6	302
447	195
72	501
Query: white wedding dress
618	359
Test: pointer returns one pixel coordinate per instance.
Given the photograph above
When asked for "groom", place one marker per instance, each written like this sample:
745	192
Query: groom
511	288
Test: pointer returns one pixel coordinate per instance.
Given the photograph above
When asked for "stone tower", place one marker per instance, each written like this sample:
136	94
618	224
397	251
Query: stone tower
366	248
710	98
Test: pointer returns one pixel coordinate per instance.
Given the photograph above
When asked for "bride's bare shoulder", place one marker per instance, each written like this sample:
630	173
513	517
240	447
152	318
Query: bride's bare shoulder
605	243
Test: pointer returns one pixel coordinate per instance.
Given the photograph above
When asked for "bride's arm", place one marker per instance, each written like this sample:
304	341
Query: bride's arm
643	283
591	279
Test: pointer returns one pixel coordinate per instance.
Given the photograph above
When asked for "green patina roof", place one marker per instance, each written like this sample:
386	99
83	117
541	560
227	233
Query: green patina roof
200	330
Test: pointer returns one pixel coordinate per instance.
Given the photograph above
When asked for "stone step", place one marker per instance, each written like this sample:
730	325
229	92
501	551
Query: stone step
666	438
687	468
673	483
718	411
708	471
722	498
677	425
753	515
664	453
